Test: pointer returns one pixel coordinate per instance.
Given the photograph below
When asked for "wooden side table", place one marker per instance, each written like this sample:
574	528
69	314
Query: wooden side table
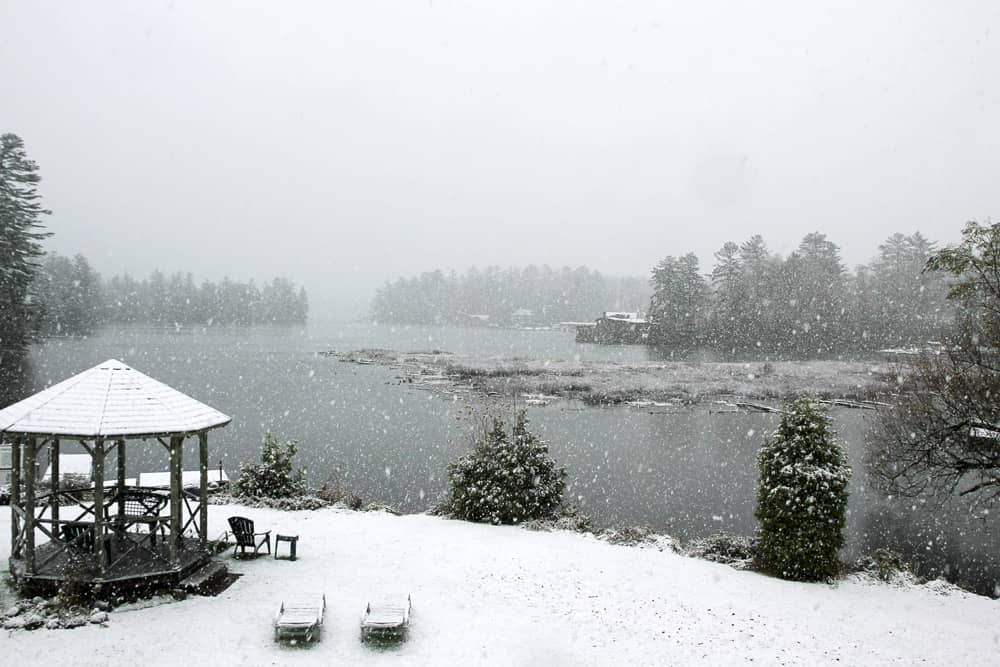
292	541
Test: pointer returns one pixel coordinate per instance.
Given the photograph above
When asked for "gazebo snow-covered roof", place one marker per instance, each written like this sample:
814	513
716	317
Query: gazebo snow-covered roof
102	408
110	400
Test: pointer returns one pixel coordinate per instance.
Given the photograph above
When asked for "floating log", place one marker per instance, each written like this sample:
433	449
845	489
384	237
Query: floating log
757	407
843	403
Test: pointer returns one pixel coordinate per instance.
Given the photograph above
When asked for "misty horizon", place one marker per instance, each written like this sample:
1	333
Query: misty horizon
344	146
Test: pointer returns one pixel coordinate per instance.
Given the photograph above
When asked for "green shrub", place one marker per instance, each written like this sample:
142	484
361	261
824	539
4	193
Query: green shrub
802	498
274	476
506	478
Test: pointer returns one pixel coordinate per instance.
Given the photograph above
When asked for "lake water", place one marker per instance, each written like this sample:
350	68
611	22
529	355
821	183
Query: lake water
688	472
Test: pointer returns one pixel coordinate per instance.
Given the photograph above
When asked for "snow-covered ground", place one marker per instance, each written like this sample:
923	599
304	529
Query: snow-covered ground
508	596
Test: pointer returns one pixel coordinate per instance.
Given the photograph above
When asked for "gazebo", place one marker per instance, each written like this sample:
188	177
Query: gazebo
107	534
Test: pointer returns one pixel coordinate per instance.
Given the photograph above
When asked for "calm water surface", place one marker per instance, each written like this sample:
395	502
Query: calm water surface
688	472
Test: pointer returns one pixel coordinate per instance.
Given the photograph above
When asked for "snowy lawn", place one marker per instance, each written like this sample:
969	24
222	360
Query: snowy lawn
507	596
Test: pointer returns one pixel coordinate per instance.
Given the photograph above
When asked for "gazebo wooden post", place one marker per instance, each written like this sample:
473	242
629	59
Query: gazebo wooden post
121	476
203	489
176	458
15	494
30	450
54	496
99	505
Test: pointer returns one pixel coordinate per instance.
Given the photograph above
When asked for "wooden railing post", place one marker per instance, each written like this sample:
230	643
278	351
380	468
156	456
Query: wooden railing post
54	497
203	489
15	496
99	505
121	477
176	458
29	504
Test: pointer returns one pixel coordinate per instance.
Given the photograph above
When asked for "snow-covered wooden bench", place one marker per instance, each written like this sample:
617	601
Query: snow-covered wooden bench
300	619
386	619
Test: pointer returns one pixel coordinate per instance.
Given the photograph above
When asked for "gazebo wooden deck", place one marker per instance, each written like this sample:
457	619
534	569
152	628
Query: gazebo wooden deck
112	534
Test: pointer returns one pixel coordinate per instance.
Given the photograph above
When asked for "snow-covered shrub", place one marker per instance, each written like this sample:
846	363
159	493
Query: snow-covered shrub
506	478
802	498
639	536
296	503
274	476
887	565
568	518
289	504
333	490
724	548
629	536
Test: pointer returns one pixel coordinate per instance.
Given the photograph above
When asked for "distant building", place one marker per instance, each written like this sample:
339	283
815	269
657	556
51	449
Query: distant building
615	328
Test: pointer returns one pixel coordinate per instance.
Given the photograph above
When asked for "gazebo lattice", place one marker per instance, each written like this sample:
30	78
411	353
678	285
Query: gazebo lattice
91	533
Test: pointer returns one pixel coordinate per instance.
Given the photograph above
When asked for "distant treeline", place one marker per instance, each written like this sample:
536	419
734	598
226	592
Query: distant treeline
752	301
70	298
532	295
806	304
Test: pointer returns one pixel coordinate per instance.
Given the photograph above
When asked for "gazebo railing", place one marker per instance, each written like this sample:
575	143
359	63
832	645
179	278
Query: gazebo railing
50	523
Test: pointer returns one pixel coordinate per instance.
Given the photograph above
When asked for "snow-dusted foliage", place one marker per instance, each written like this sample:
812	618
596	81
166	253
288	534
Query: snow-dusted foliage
274	476
21	233
735	550
506	478
802	497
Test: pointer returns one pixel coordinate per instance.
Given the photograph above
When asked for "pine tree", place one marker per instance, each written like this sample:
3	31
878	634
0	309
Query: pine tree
679	305
21	233
802	498
728	299
506	479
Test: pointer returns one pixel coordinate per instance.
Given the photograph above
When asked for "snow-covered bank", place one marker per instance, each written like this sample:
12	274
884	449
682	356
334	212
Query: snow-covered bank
507	596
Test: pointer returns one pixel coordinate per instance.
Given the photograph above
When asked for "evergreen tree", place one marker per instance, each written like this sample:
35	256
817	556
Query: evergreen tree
67	297
506	479
728	298
758	312
275	476
802	498
21	233
678	307
815	295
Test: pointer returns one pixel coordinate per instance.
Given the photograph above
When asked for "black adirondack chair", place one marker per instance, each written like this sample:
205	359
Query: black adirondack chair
246	538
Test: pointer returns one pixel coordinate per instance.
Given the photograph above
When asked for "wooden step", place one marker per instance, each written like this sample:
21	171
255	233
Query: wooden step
201	581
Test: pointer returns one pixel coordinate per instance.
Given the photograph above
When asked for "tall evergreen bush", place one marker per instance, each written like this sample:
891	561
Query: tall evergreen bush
506	478
802	498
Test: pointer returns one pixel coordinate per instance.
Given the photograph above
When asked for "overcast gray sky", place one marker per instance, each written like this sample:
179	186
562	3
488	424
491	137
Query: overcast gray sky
344	143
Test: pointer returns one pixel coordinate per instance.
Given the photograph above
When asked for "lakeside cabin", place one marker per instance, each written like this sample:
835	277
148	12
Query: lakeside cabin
615	328
115	534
